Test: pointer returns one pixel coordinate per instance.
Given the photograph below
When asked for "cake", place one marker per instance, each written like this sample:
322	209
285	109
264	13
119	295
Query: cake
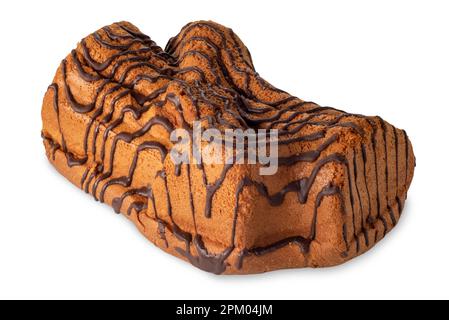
115	100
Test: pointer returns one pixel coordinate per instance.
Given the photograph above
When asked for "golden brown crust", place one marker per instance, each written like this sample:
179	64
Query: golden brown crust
107	117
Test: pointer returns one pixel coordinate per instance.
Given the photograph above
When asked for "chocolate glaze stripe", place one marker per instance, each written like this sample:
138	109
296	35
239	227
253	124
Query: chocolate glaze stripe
406	155
115	36
115	68
126	181
185	39
135	111
97	169
191	198
76	106
362	190
156	50
184	87
276	119
301	242
98	113
224	66
86	76
137	34
55	88
211	189
236	44
72	160
161	226
108	117
239	46
396	146
141	65
378	143
329	190
384	132
217	54
329	124
279	113
356	177
94	116
84	177
118	202
374	173
392	217
394	162
139	207
214	263
308	156
376	235
217	80
151	197
375	150
171	47
299	124
233	64
351	201
367	186
54	146
99	67
250	107
113	46
177	231
382	218
344	228
400	205
90	179
127	138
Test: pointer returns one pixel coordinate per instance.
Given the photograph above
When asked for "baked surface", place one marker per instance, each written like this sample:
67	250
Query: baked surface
107	117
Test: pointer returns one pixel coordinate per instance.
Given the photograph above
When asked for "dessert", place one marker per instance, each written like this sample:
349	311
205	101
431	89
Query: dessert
115	100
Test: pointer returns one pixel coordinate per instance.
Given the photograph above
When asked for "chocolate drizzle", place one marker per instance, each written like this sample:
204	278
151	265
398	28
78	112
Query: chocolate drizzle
72	160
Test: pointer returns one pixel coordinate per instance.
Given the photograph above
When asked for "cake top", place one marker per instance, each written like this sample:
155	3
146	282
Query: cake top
205	73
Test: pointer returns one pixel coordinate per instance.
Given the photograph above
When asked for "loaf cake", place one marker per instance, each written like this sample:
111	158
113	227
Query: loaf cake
115	100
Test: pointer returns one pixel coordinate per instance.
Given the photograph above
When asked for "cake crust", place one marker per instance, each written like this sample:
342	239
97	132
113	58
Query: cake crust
107	118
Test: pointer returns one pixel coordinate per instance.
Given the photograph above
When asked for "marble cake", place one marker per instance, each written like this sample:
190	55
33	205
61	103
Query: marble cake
115	99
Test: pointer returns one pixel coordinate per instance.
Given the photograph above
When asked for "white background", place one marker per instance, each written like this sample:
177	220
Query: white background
388	58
